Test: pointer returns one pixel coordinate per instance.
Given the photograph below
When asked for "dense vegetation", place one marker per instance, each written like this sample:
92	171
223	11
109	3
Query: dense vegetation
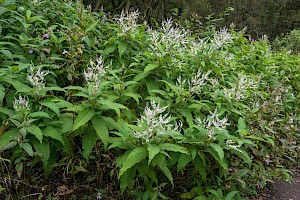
94	105
271	17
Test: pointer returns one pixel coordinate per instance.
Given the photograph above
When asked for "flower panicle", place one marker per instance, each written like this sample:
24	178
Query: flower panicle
222	37
21	104
94	74
153	122
128	20
36	78
213	123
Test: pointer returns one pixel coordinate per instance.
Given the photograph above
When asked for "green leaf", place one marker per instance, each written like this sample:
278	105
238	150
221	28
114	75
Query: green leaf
202	197
231	195
140	76
172	87
136	155
19	86
2	93
7	53
92	26
7	137
160	161
51	105
49	131
127	179
107	104
183	161
28	148
67	119
173	147
242	127
199	106
122	48
44	149
108	50
218	153
111	123
150	67
84	116
133	95
36	131
101	129
200	166
6	111
187	195
146	194
28	14
153	150
39	114
242	154
89	139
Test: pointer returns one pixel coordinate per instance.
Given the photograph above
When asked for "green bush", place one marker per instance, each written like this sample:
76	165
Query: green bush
290	42
166	113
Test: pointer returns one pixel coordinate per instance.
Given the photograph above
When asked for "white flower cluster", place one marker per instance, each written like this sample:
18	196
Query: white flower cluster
195	83
153	122
173	39
36	78
232	145
222	37
93	75
240	90
21	104
128	20
212	123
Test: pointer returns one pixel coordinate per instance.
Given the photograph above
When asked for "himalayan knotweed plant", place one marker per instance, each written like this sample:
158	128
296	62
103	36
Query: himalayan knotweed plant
194	84
21	104
36	78
128	21
93	75
222	37
212	123
239	91
153	122
173	39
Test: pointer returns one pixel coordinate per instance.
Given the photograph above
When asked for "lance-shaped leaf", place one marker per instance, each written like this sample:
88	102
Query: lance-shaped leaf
173	147
153	150
36	131
101	129
136	156
84	116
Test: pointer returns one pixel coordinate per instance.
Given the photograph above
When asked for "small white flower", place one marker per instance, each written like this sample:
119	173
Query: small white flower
21	104
153	122
212	123
197	81
128	20
64	52
36	78
94	74
222	37
239	91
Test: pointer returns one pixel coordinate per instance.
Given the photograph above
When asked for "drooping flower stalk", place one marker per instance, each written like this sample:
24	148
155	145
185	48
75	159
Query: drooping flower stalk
153	122
94	74
128	21
222	37
213	123
36	78
21	104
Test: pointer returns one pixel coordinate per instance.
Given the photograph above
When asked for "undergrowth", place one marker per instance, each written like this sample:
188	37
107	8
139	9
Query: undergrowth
95	106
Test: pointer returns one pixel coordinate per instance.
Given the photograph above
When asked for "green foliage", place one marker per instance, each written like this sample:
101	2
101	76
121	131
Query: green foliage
157	109
289	42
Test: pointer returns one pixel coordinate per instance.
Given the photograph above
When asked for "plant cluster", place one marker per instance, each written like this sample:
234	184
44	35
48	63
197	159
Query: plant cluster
165	113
